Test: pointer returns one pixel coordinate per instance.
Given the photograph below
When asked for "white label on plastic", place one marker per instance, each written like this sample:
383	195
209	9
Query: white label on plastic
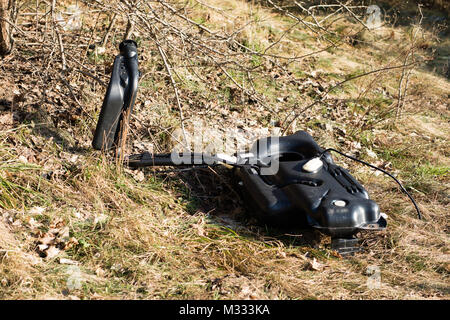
339	203
313	165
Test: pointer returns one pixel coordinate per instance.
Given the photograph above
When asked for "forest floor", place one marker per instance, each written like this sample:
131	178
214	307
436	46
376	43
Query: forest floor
75	225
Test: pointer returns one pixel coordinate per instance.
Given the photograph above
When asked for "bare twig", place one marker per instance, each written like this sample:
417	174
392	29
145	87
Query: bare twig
404	78
108	30
175	89
58	34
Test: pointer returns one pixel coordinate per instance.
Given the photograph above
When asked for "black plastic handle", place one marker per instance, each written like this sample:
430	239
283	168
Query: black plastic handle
119	98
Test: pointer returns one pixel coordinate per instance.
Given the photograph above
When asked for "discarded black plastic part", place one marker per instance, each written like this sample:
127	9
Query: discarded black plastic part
288	197
291	196
120	96
419	214
294	197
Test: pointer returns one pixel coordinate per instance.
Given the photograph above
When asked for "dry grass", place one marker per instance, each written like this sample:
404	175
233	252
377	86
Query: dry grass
118	234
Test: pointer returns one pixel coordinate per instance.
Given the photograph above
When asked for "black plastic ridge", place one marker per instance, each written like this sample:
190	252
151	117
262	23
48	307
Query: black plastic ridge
119	98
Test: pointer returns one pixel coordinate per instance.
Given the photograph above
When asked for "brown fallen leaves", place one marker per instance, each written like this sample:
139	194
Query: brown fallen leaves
245	288
199	227
55	240
6	119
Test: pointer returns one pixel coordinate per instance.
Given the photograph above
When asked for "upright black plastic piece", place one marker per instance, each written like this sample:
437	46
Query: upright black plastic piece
120	97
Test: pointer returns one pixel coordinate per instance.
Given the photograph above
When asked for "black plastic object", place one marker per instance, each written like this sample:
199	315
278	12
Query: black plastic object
120	97
328	199
306	189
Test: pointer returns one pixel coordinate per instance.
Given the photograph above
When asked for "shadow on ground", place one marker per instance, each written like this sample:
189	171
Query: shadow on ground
212	193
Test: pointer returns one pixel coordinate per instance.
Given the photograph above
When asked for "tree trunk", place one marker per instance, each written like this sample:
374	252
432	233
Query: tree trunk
6	12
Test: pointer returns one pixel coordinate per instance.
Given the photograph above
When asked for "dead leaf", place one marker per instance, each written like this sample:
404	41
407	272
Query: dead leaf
42	247
74	158
336	254
101	219
37	210
247	293
32	223
67	261
371	154
447	267
54	231
71	243
139	176
100	272
6	118
23	159
52	252
314	265
58	223
47	239
200	228
17	223
64	234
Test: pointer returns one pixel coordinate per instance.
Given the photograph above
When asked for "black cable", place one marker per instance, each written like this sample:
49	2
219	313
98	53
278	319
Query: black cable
419	215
